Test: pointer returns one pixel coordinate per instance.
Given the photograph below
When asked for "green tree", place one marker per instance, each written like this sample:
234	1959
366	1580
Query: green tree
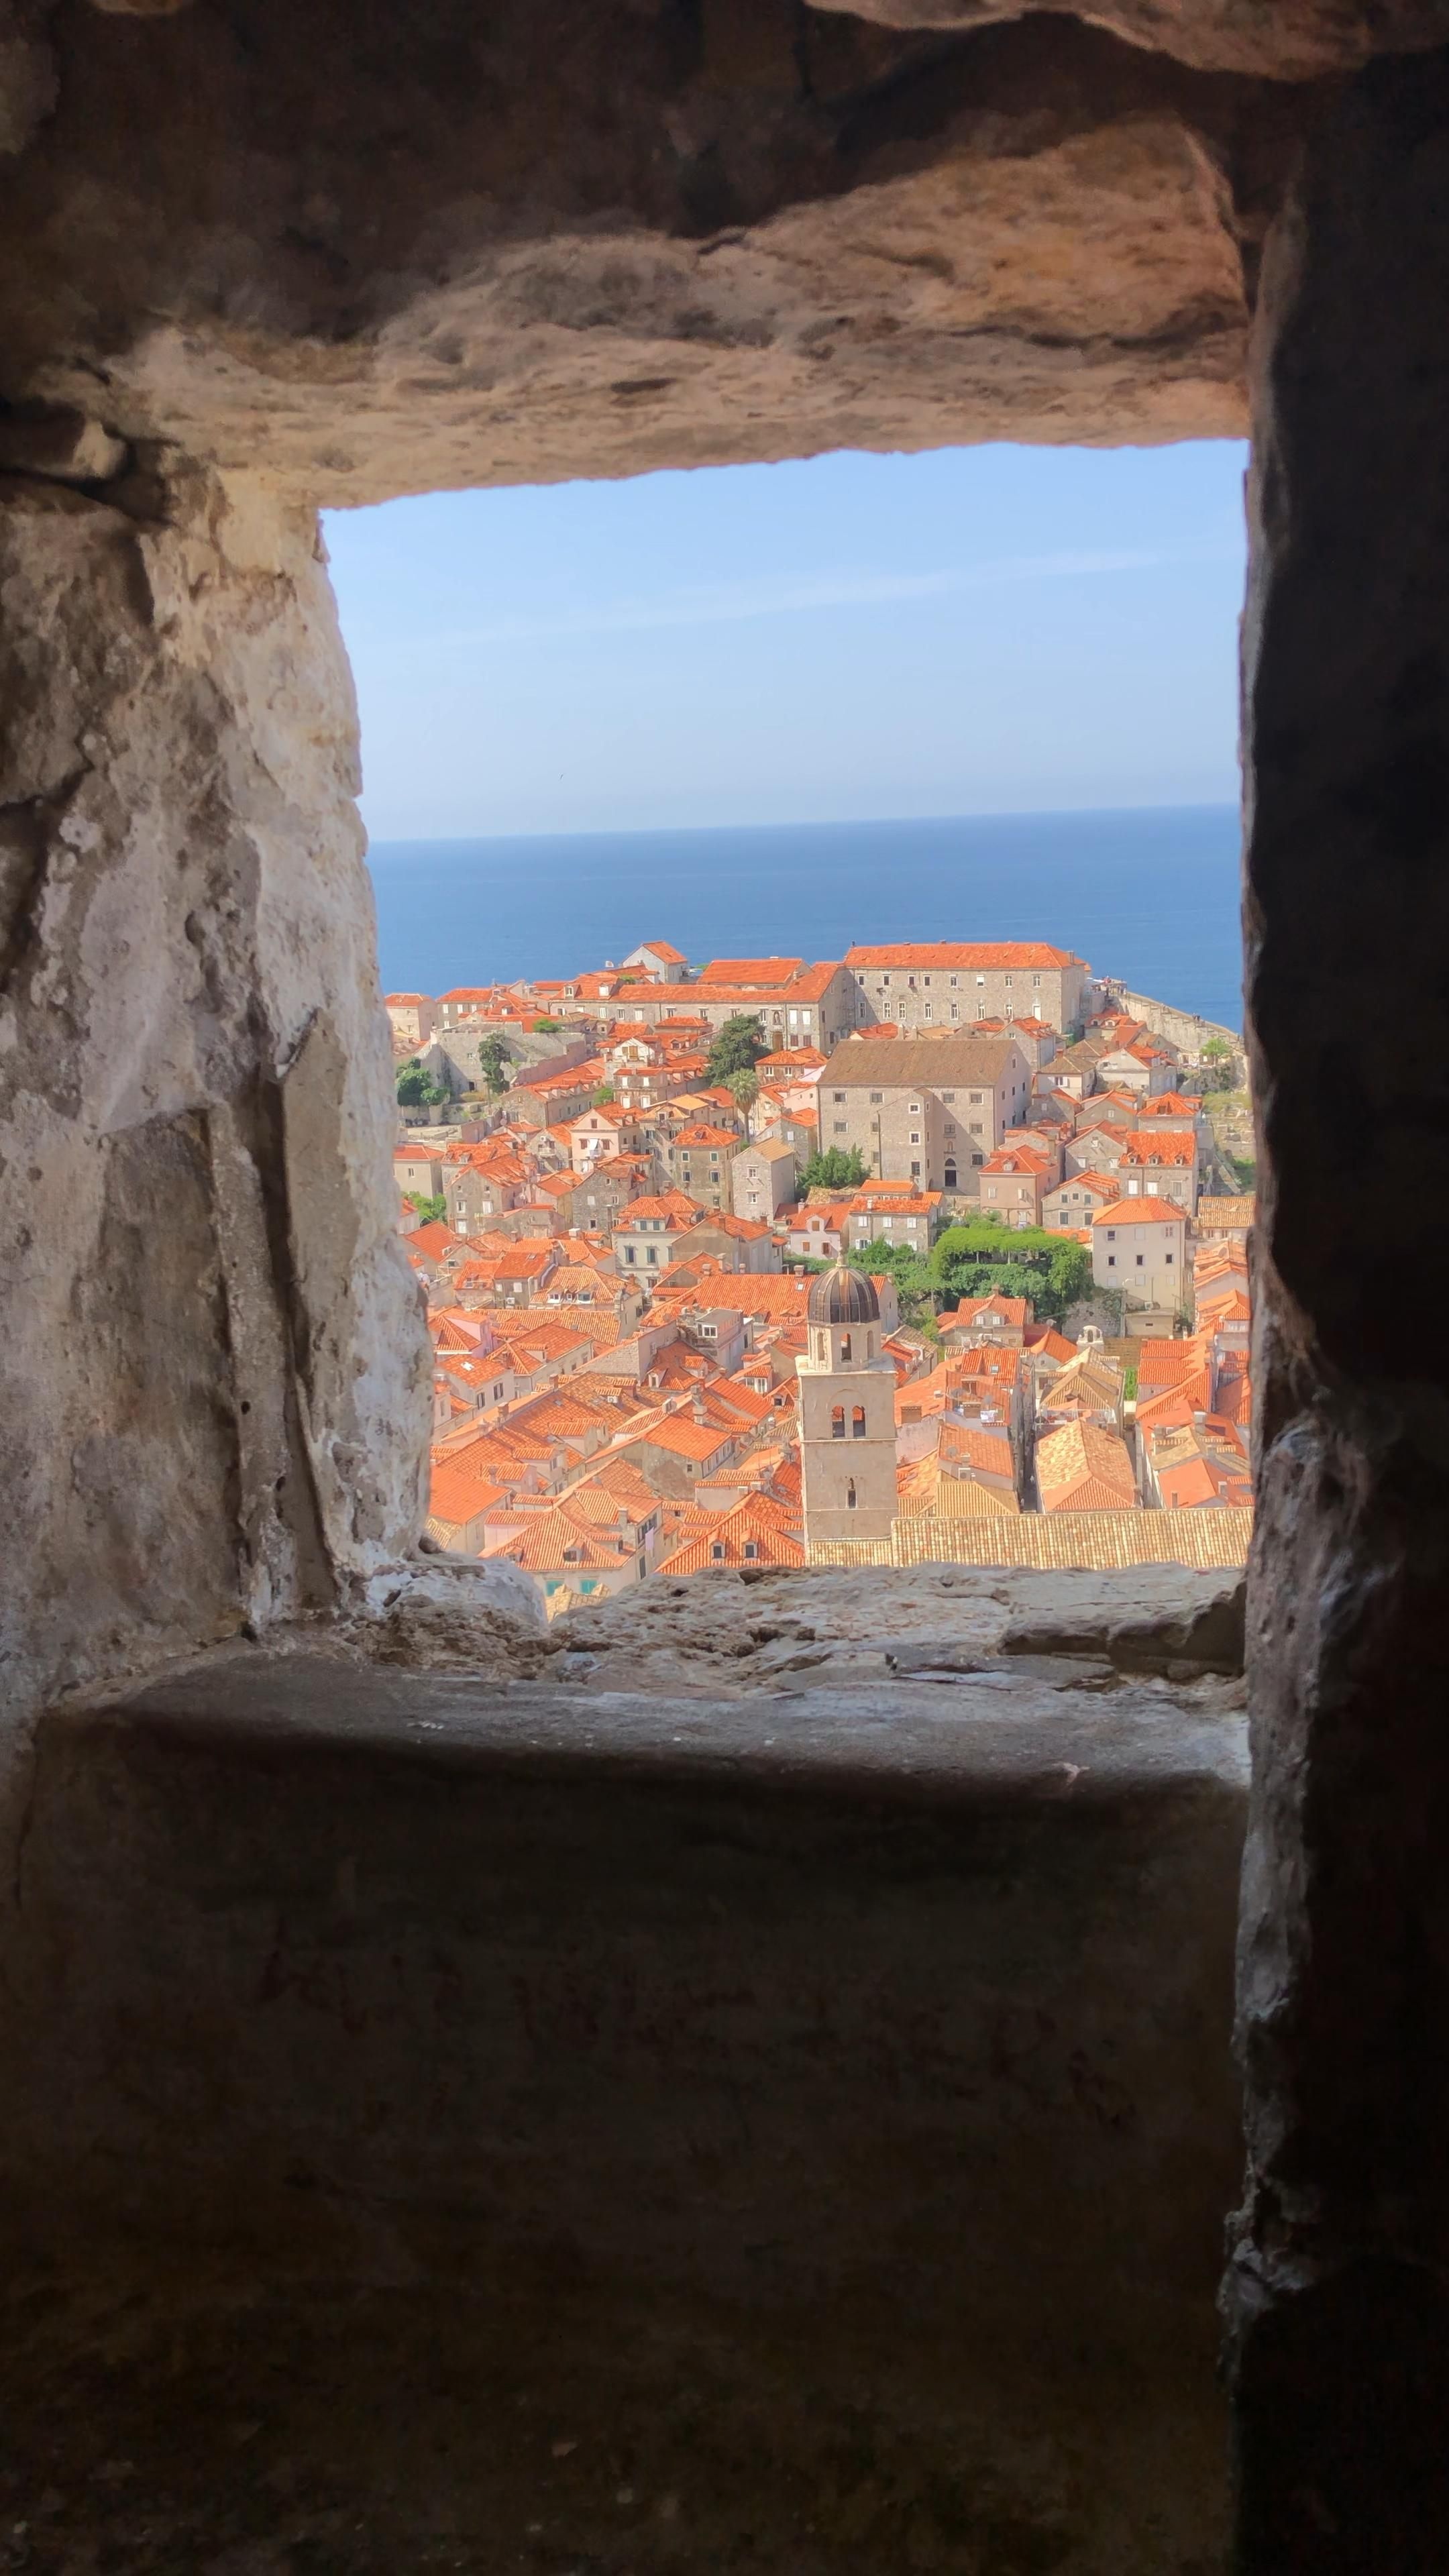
416	1088
985	1257
546	1027
493	1063
744	1089
737	1048
604	1095
1219	1067
840	1167
1069	1277
913	1282
428	1211
981	1239
997	1279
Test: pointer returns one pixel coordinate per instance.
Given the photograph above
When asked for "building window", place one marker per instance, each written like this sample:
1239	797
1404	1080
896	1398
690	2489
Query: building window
857	1422
915	1171
876	1098
928	1010
839	1127
837	1422
752	1548
839	1099
1111	1260
845	1346
1169	1261
717	1551
950	1176
850	1495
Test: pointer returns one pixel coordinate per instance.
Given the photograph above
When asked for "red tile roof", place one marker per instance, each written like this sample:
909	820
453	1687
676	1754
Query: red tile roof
1172	1147
751	970
759	1524
435	1239
978	956
1083	1468
1143	1211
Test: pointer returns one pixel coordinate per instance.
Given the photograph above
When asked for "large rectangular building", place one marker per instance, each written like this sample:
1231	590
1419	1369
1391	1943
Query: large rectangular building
949	983
927	1110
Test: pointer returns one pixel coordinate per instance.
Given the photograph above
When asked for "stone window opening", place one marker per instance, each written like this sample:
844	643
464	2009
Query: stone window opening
278	1390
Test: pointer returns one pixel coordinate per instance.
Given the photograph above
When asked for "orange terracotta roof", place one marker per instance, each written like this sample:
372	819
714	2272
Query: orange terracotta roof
1172	1146
987	1361
435	1239
751	970
1012	1310
456	1496
1081	1467
978	956
686	1438
1046	1343
1017	1158
758	1530
1144	1211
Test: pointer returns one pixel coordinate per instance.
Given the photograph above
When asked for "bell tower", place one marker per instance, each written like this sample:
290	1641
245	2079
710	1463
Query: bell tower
847	1406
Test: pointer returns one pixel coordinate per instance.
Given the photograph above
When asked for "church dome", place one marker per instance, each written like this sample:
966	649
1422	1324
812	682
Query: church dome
842	1296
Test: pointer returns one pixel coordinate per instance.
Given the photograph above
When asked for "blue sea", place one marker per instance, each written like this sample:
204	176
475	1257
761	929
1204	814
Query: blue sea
1148	894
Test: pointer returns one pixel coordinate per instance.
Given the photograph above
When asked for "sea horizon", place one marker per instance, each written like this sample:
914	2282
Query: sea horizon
1146	893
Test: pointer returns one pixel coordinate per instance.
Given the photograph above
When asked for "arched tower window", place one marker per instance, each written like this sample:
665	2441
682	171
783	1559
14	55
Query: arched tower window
857	1422
845	1346
837	1422
850	1495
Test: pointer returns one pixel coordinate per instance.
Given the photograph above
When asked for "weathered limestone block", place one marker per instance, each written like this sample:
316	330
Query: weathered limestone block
1337	2297
214	1382
1289	40
523	246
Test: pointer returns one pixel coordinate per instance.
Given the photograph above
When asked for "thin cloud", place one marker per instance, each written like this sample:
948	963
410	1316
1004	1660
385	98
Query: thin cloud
732	603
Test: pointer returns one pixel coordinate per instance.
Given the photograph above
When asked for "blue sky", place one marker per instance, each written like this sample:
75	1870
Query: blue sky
975	631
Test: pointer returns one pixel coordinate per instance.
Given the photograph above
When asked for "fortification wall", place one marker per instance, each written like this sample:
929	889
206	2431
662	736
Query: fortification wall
1183	1029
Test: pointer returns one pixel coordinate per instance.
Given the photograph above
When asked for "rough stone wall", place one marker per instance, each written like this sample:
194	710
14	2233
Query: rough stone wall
1337	2295
784	1981
377	251
214	1396
1186	1029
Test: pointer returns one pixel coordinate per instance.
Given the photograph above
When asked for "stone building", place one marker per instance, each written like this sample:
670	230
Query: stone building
764	1177
1138	1249
699	1161
949	984
846	1387
412	1016
928	1110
